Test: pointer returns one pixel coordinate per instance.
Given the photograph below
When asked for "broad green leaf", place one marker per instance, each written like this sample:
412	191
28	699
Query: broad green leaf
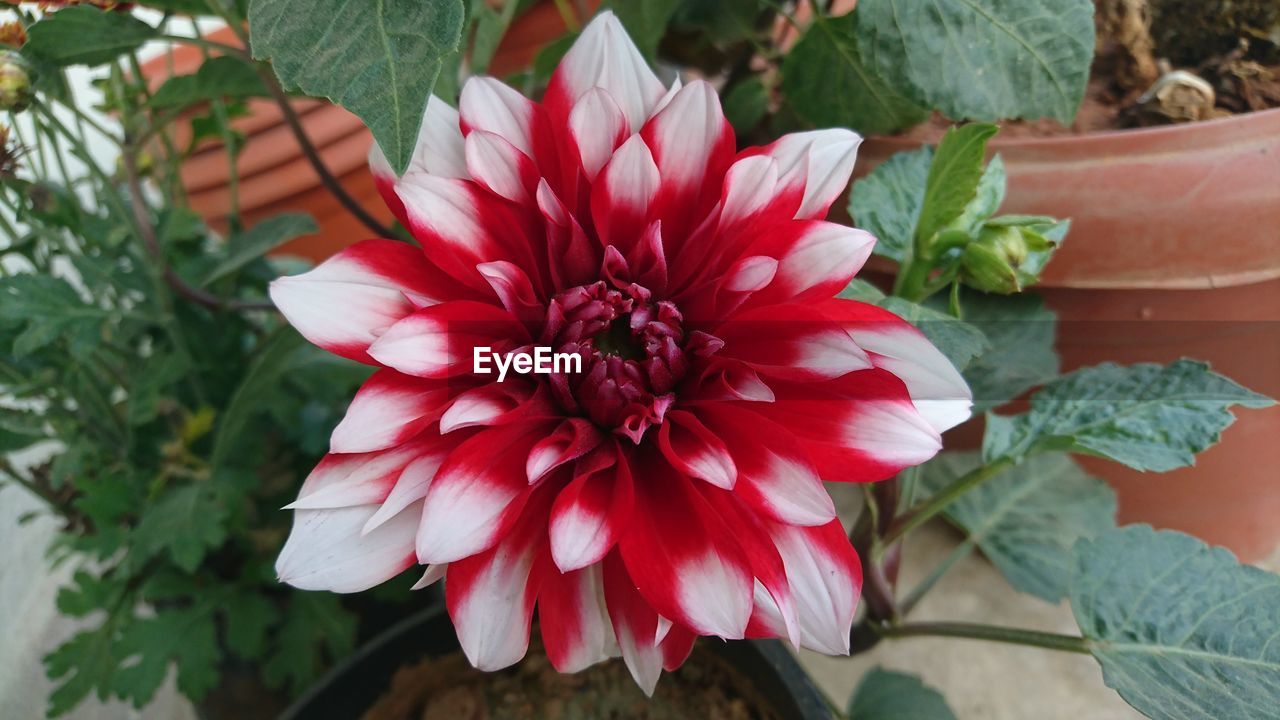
186	522
887	202
380	60
85	35
1183	630
959	341
826	83
490	27
1027	518
954	176
1020	331
746	104
646	22
244	248
982	59
986	199
219	77
1149	417
890	695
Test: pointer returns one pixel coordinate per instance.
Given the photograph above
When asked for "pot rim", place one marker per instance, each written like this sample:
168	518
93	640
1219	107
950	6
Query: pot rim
763	655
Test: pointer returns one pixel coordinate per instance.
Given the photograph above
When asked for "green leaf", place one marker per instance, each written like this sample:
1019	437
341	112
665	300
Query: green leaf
315	624
275	357
85	35
646	22
986	199
954	177
243	248
490	27
827	83
149	383
889	695
746	104
982	59
379	60
721	21
1149	417
83	664
248	616
186	522
1020	331
51	309
1183	630
887	202
1027	518
219	77
186	637
958	340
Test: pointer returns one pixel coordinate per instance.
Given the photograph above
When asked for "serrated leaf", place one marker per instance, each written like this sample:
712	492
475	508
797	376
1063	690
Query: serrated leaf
1149	417
315	625
86	663
826	83
1020	331
186	522
243	248
1027	518
889	695
185	637
247	617
1183	631
954	176
982	59
85	35
887	201
379	60
51	309
745	104
218	77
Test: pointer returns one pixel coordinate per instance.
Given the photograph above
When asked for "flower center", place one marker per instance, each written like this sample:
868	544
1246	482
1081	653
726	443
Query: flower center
634	354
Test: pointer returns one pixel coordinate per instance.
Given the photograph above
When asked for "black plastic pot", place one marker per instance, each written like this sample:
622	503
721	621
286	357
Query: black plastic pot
352	687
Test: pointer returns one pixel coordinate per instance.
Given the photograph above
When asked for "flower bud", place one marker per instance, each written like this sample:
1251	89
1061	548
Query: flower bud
991	263
13	34
15	82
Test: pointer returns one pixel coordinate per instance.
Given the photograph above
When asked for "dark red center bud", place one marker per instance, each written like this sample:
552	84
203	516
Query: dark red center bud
634	354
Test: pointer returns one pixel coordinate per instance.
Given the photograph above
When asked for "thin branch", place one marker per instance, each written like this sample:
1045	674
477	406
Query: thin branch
944	497
992	633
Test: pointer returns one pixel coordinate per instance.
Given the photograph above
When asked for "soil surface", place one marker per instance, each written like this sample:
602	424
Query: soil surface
448	688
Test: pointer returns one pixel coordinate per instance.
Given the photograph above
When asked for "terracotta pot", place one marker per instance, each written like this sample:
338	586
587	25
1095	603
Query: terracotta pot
1174	251
275	177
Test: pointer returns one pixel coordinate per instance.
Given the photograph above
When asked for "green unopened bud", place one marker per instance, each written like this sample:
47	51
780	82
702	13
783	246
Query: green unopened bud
991	263
15	82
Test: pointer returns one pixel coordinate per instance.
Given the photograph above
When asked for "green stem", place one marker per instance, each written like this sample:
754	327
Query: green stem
568	15
939	501
992	633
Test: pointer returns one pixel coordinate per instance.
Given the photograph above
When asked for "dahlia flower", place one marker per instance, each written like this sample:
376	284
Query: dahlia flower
674	486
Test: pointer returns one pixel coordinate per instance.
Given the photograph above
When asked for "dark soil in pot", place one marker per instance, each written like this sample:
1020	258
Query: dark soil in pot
415	671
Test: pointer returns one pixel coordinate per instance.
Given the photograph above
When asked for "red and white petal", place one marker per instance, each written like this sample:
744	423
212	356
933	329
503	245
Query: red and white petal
489	105
692	144
939	392
491	595
681	556
477	493
491	404
574	438
438	152
411	486
499	167
346	302
774	474
791	341
589	515
621	197
327	549
447	217
514	289
695	450
825	576
576	629
442	340
749	189
575	258
597	126
604	56
815	165
861	427
676	645
635	625
389	409
816	260
356	479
